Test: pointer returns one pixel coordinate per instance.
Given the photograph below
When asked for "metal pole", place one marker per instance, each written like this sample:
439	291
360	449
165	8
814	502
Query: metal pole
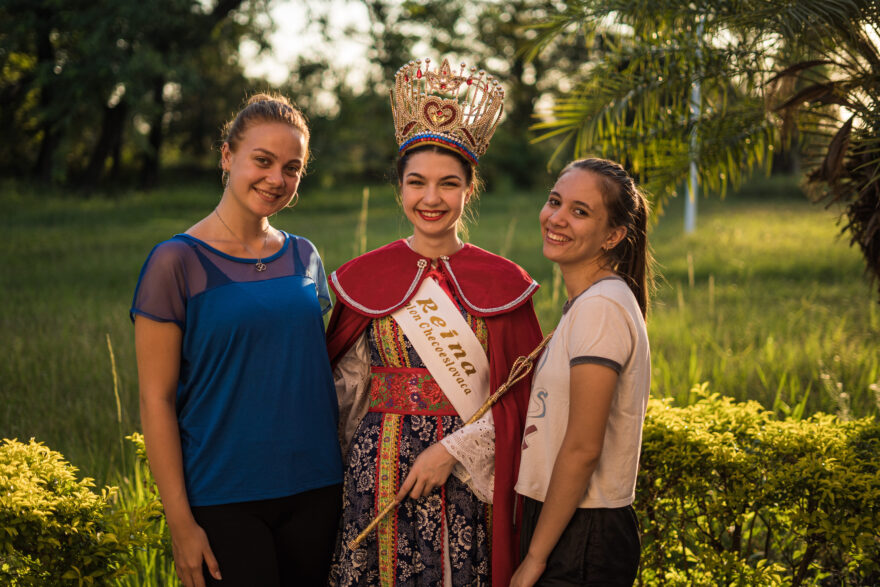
690	209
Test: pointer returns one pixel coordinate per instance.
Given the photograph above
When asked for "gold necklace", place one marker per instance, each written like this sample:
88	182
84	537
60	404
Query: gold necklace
259	265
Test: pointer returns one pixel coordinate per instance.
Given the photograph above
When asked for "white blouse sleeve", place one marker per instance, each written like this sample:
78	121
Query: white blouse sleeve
352	376
473	446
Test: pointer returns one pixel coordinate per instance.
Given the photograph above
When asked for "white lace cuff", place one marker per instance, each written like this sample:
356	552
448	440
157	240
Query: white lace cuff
474	448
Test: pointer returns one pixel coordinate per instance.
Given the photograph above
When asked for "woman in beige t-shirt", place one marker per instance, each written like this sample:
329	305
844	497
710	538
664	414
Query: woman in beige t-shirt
583	432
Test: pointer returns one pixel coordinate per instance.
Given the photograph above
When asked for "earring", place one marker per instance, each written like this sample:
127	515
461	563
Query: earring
294	201
224	178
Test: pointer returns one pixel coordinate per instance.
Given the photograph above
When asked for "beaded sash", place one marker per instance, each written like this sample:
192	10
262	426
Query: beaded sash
407	391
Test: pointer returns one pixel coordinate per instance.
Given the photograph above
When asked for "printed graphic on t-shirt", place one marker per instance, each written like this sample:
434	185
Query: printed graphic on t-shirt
537	405
537	409
531	429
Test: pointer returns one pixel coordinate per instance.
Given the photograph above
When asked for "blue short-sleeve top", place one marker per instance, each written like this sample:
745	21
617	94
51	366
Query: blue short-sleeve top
256	405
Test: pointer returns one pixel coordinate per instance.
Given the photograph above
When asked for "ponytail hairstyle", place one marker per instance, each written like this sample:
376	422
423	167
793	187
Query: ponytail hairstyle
627	207
262	108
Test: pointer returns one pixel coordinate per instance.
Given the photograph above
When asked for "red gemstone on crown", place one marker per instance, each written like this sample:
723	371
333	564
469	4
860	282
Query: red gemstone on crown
419	74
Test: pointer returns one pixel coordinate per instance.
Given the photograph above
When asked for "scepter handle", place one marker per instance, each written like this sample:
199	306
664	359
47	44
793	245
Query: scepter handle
520	369
372	525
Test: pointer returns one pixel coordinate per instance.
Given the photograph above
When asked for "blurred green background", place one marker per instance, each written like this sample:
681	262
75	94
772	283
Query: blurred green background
763	301
112	109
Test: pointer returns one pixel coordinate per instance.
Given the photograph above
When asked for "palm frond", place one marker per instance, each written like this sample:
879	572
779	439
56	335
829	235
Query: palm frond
766	68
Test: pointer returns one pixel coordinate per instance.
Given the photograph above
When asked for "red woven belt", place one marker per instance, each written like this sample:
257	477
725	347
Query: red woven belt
407	391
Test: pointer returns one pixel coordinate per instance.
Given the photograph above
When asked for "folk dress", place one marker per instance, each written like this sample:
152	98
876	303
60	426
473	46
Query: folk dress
395	410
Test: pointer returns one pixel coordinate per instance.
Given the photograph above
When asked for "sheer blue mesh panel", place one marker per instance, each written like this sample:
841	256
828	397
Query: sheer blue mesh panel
184	267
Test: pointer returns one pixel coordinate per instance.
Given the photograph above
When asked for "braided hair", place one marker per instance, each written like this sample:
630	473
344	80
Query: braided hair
628	207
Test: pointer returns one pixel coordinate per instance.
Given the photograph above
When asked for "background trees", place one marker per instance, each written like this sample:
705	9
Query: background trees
86	85
111	89
492	35
774	74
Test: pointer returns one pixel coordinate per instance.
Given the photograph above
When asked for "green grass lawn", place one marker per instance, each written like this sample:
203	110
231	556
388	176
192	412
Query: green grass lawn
763	301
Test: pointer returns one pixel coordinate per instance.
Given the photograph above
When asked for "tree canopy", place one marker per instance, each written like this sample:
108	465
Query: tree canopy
86	84
773	73
90	88
94	90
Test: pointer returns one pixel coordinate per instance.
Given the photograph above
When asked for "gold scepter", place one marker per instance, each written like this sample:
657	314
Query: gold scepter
520	368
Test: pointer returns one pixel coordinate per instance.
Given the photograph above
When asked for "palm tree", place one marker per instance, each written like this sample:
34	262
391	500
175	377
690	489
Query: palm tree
769	70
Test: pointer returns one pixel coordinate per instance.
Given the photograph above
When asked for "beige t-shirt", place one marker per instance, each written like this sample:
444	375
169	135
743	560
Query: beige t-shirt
602	325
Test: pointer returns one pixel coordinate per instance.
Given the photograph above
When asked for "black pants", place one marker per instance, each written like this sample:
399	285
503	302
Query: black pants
273	542
599	546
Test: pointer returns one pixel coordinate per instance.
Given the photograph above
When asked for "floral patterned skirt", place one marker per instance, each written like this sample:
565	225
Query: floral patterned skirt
407	548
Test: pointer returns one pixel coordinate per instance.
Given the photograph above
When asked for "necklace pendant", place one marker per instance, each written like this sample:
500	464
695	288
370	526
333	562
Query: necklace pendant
260	266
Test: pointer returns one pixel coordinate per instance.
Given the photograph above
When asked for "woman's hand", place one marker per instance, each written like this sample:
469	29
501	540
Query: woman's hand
158	346
528	572
190	547
430	470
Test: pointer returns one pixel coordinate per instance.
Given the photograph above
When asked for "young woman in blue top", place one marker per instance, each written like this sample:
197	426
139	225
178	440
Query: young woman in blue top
237	399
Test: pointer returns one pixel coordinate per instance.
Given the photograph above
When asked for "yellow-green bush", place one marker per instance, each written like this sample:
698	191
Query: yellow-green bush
730	495
727	495
137	493
54	529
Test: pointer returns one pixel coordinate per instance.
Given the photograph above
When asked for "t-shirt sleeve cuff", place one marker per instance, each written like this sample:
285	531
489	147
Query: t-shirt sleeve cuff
584	360
136	312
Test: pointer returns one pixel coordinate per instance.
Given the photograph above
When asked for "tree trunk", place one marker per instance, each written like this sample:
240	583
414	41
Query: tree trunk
46	157
112	125
199	35
48	125
150	161
806	559
116	156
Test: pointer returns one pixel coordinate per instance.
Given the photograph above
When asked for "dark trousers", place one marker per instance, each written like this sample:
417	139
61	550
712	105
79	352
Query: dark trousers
273	542
600	546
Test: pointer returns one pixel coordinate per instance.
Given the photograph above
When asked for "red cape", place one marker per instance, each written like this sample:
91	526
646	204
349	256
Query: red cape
379	282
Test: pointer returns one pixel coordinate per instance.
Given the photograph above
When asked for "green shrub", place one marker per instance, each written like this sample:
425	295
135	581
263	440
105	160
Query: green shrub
730	495
54	529
152	565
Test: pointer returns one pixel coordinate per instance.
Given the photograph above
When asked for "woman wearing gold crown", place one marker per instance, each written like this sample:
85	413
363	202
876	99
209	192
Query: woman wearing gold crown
425	328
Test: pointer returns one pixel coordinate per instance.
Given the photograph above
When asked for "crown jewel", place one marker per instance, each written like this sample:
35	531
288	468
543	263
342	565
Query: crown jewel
458	110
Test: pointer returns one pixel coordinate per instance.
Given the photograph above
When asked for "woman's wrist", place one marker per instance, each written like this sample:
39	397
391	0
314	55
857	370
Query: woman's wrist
179	518
450	458
536	557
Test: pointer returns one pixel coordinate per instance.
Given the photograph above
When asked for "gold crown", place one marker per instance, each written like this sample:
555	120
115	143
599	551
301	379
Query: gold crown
455	110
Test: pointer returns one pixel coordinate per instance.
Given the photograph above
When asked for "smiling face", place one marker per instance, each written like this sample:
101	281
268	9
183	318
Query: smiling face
574	221
433	192
266	167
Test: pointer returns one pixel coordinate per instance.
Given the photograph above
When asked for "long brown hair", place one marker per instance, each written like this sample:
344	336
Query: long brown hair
628	207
